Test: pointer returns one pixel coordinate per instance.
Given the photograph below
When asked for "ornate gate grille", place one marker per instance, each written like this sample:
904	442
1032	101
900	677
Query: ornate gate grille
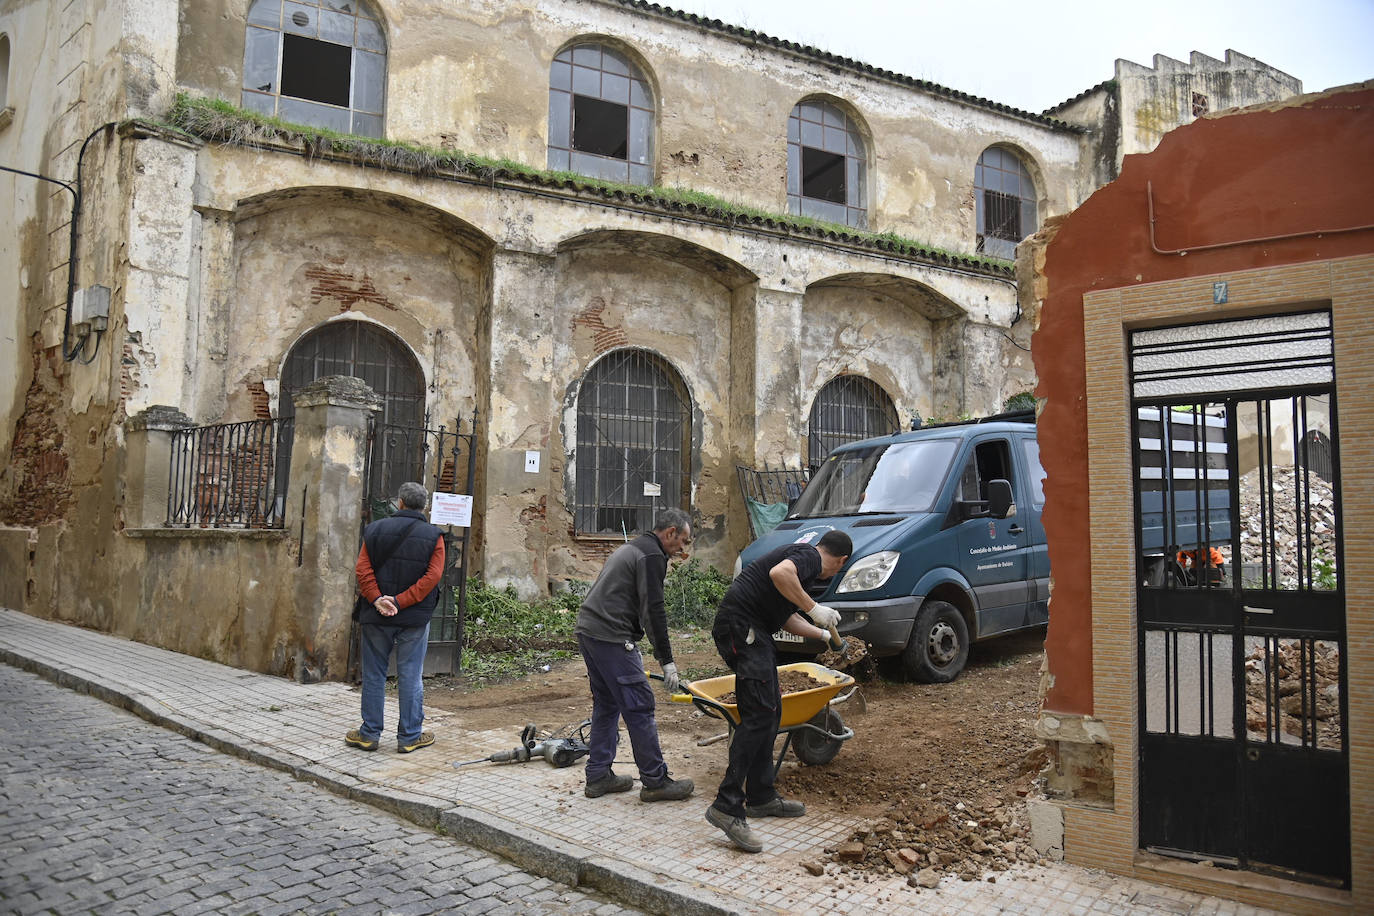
1244	756
442	460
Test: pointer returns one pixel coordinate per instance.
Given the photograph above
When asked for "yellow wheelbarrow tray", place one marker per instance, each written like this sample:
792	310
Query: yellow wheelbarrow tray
808	720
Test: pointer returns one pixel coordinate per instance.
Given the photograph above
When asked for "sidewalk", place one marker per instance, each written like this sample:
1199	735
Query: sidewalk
661	858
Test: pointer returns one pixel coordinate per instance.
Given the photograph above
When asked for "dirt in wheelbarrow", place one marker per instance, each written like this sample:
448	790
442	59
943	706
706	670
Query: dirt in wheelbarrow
937	774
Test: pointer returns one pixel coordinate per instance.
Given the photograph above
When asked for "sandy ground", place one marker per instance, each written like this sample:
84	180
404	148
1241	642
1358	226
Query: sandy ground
939	771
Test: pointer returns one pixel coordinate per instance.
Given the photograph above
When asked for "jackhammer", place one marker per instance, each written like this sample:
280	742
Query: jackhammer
559	752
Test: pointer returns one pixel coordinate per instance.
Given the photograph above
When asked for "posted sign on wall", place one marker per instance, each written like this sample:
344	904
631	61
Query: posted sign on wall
451	509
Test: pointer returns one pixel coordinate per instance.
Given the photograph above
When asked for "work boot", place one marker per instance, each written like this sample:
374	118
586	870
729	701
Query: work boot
778	807
608	783
736	828
669	790
355	739
425	740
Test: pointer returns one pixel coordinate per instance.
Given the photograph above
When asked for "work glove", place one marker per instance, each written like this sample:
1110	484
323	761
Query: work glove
824	617
670	678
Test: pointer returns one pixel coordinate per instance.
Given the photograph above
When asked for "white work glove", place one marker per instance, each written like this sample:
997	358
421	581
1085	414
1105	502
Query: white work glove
670	678
824	617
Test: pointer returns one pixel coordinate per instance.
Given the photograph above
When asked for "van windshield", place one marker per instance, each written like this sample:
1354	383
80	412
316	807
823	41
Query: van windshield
896	477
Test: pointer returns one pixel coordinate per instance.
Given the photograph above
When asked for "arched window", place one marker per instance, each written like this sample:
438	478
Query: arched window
826	165
316	62
601	115
847	409
633	440
1005	200
366	351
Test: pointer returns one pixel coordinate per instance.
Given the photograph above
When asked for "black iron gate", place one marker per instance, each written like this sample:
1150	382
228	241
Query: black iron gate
442	460
1244	754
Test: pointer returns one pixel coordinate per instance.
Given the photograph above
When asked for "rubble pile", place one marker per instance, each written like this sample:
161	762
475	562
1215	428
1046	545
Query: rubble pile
944	832
1323	716
1283	517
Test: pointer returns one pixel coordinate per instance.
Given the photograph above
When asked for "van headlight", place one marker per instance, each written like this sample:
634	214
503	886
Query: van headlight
870	572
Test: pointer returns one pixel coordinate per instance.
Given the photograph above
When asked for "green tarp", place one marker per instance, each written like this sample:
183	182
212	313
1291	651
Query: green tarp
764	517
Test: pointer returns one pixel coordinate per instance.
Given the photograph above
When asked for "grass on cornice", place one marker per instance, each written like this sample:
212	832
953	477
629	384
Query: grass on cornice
218	121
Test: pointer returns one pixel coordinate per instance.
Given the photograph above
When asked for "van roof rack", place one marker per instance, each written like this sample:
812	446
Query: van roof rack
1010	416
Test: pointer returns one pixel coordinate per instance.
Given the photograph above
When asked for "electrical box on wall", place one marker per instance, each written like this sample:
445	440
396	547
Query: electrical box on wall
92	306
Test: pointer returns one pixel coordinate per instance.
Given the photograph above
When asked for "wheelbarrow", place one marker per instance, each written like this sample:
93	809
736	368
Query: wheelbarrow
809	722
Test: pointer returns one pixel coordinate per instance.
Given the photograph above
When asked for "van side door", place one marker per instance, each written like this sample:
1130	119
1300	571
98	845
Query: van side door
993	551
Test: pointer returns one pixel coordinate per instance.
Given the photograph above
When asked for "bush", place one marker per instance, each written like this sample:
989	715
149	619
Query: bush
692	592
500	614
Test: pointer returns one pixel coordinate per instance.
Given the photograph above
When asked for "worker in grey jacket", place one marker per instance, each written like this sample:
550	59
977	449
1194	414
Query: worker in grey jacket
624	603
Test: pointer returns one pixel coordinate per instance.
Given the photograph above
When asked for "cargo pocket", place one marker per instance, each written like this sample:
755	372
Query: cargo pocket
635	693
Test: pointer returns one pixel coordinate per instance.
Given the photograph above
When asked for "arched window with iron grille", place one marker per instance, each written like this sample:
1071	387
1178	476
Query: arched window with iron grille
847	409
633	440
364	350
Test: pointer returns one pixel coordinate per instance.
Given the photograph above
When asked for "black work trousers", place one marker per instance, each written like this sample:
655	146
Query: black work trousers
749	775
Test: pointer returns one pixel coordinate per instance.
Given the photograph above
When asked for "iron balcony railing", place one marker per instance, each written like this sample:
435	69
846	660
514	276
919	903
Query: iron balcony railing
230	475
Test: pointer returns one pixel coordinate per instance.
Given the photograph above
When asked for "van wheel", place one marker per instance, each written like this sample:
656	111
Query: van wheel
938	647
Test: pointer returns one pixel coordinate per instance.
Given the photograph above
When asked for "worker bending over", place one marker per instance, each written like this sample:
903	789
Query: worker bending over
763	599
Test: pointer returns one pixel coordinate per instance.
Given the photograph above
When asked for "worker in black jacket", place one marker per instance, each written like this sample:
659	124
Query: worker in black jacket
624	603
398	570
768	595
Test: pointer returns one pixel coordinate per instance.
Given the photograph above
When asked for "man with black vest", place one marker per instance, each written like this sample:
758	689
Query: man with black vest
624	603
398	569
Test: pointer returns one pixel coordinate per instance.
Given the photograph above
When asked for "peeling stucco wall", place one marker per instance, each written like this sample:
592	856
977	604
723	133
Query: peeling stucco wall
221	257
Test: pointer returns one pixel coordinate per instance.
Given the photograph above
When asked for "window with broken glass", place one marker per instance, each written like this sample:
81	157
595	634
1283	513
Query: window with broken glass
847	409
633	438
601	115
316	62
826	165
1005	201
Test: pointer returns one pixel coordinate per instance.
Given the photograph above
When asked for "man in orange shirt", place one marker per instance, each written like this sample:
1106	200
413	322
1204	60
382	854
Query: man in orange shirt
398	569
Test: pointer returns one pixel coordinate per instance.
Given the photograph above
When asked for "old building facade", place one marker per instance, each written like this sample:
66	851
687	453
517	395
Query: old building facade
642	249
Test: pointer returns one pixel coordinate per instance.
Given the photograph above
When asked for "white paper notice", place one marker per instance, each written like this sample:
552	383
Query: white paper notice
531	462
652	489
451	509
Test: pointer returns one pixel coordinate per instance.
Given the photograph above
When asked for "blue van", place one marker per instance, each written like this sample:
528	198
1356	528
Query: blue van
948	545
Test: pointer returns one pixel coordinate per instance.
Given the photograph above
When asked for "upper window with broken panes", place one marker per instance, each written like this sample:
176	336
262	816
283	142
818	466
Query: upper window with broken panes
1004	199
601	115
316	62
826	165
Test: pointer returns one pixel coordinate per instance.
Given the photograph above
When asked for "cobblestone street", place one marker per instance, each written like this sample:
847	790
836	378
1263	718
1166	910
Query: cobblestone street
103	812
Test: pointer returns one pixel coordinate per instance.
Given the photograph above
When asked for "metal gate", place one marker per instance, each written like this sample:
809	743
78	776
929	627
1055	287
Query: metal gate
442	460
1244	753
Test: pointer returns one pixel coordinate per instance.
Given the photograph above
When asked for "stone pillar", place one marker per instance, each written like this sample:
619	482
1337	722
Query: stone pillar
148	444
328	454
779	410
524	407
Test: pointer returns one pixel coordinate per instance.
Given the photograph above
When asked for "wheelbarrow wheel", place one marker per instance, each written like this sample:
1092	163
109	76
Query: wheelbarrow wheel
813	748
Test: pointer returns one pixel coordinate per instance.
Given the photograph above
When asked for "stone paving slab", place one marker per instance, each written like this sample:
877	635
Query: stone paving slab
661	857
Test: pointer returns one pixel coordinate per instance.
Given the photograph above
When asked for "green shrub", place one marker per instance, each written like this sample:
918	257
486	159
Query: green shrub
692	592
500	614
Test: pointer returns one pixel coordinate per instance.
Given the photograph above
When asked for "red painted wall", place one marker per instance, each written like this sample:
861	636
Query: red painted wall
1307	165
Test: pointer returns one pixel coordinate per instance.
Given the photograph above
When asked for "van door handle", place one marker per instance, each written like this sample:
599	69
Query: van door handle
1015	528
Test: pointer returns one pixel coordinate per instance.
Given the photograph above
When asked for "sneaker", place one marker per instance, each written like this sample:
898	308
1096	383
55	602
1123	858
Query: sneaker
355	739
778	807
608	783
425	740
736	828
669	790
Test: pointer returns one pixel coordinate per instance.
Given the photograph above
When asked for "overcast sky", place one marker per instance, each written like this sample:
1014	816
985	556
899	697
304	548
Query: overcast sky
1032	55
